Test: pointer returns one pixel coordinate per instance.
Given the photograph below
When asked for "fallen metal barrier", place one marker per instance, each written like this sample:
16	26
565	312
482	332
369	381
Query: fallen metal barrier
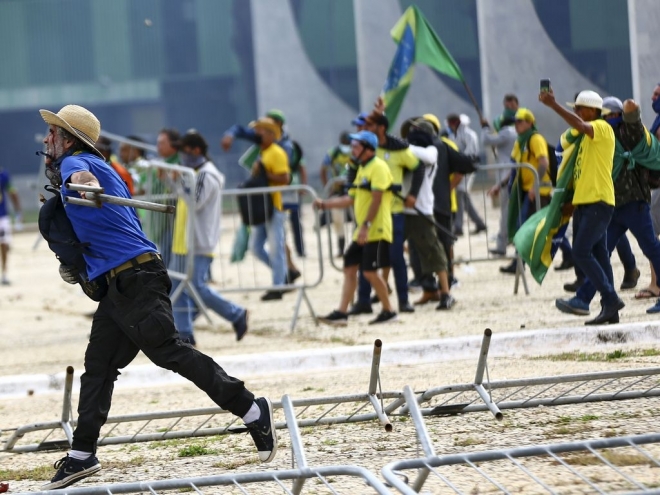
479	396
609	465
273	481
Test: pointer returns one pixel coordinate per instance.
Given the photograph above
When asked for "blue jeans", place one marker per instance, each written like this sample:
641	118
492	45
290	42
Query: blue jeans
273	233
636	217
185	309
397	262
590	253
296	226
624	250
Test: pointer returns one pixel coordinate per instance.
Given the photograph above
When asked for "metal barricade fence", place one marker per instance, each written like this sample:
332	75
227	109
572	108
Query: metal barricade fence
477	257
374	404
607	465
172	185
337	221
255	272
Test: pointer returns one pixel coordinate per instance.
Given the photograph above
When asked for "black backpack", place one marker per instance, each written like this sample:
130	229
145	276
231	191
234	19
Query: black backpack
255	209
56	229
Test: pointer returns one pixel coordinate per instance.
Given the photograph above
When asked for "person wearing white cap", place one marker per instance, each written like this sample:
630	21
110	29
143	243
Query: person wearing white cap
593	197
135	314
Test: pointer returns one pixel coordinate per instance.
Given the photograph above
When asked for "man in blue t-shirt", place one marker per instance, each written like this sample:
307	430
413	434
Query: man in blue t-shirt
7	191
136	313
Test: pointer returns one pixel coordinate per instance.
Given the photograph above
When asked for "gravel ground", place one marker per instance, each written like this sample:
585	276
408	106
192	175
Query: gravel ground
45	321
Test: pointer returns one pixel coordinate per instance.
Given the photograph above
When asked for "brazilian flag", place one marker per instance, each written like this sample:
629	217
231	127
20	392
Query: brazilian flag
538	239
417	43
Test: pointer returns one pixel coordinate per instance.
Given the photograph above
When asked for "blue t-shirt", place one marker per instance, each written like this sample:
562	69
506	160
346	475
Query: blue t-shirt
4	189
113	232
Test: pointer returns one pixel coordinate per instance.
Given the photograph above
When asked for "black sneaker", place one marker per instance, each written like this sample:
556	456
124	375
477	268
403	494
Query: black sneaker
446	302
263	431
70	470
272	295
406	307
241	325
573	286
384	317
360	309
374	298
336	319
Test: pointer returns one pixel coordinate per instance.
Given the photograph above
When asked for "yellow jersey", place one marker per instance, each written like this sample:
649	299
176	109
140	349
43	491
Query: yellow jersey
592	175
536	148
399	162
375	175
275	161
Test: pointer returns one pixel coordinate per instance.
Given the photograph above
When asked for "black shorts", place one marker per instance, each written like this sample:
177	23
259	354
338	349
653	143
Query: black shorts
370	257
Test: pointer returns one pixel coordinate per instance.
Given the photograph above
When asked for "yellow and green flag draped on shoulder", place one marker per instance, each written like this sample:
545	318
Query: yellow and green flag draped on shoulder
418	43
538	239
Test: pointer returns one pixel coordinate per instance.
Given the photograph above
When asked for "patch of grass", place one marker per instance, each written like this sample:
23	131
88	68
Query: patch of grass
599	356
329	441
466	442
616	458
617	354
196	450
230	464
40	473
307	389
341	340
589	417
165	444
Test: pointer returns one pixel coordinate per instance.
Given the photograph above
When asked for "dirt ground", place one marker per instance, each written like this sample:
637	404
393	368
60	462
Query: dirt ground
45	324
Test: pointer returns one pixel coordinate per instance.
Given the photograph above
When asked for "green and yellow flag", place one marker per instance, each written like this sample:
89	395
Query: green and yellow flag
538	239
418	43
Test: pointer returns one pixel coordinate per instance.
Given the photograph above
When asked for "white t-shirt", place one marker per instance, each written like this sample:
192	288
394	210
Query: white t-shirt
428	157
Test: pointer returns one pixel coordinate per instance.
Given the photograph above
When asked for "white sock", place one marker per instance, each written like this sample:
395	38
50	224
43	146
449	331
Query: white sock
79	455
253	414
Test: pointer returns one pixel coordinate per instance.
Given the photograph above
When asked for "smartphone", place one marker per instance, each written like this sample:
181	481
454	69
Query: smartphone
545	85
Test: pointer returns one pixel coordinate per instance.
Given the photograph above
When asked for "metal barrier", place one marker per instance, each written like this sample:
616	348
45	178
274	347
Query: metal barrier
268	480
478	396
336	221
520	273
250	276
610	465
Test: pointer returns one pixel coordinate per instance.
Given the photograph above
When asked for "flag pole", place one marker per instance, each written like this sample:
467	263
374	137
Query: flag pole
474	100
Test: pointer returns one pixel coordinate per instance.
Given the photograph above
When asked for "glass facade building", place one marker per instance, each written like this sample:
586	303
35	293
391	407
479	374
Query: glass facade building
141	65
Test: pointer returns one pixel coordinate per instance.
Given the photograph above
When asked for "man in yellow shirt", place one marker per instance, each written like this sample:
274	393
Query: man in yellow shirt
593	198
275	163
532	148
371	197
400	159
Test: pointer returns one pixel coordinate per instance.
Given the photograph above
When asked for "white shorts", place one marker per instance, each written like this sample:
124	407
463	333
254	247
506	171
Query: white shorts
5	230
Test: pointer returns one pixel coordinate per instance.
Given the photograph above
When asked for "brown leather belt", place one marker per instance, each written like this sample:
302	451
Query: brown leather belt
138	260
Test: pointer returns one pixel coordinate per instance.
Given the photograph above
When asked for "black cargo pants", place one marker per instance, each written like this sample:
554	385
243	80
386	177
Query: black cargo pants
136	315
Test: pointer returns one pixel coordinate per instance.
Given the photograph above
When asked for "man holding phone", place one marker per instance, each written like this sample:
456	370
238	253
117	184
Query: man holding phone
593	198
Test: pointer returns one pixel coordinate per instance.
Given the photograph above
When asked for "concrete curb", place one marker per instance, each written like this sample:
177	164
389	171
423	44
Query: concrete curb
509	344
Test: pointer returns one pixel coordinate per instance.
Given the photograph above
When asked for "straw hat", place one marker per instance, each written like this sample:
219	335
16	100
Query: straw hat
78	121
269	124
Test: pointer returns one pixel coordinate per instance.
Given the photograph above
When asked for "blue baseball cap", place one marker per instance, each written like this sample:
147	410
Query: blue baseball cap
365	137
361	119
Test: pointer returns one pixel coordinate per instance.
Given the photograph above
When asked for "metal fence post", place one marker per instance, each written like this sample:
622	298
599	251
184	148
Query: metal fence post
66	405
479	376
296	443
374	381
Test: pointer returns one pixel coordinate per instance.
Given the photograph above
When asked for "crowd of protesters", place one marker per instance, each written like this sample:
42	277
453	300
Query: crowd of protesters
406	196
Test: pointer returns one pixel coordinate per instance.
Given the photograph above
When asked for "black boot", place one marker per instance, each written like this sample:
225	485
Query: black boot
573	286
510	268
609	314
630	279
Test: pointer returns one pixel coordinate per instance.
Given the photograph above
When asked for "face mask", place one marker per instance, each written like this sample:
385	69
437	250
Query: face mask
191	161
258	139
345	149
614	122
656	105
